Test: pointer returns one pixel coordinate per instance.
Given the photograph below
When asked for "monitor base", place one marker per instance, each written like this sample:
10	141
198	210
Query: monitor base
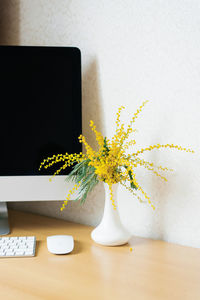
4	225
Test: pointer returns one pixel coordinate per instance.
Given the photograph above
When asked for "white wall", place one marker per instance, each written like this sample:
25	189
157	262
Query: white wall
133	51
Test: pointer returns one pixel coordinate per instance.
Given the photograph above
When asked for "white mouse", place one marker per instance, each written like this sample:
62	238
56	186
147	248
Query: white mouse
60	244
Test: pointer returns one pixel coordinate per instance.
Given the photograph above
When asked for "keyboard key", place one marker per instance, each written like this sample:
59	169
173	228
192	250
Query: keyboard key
30	238
19	252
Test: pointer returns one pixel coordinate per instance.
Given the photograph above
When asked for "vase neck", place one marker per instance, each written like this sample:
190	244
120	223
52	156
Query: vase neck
114	192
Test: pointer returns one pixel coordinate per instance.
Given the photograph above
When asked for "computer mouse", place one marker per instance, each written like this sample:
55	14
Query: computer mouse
60	244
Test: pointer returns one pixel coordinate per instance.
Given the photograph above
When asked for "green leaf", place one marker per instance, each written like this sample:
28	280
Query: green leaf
88	189
105	148
133	186
85	174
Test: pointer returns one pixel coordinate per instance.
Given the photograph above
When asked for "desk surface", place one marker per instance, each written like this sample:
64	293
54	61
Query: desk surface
153	270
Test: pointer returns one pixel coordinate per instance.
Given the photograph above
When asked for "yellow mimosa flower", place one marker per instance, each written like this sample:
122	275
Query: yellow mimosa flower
112	163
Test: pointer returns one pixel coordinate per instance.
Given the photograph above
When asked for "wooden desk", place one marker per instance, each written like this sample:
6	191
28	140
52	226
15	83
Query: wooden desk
154	270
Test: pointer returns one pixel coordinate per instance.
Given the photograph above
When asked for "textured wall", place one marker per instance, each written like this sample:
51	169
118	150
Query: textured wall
131	51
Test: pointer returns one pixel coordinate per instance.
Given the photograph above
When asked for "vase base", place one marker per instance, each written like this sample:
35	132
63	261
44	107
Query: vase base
109	239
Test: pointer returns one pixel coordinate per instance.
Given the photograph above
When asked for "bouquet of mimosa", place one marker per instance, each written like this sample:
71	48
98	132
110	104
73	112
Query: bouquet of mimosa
111	163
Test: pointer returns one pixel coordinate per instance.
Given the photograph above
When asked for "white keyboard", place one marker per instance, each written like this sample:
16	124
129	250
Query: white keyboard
21	246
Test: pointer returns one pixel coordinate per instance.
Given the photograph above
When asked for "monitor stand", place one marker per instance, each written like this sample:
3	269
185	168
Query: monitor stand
4	226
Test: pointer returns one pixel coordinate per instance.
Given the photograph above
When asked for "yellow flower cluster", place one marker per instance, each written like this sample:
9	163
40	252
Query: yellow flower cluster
90	152
75	188
68	159
158	146
110	163
99	136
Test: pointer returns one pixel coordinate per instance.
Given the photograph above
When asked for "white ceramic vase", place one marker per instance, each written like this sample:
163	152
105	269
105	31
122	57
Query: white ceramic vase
110	231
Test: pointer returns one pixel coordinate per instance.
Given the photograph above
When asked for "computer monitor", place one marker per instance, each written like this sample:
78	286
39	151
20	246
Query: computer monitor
40	90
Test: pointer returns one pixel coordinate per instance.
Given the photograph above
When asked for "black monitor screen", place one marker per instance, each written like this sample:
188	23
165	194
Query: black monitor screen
40	106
